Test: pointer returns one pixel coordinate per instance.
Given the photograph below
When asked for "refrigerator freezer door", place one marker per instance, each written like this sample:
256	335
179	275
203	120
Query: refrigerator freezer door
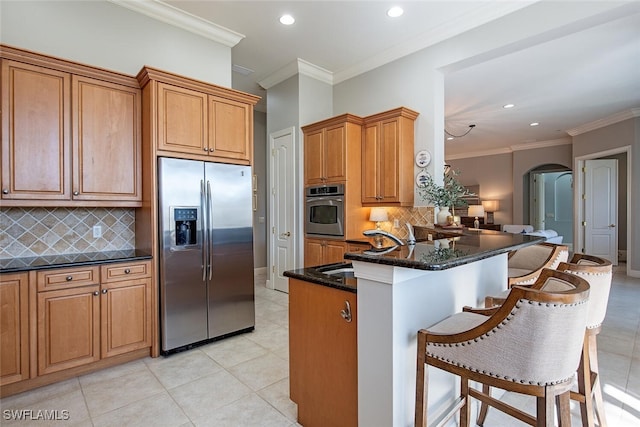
231	290
183	291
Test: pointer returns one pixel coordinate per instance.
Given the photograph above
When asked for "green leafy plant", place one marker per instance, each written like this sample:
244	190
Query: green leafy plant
451	194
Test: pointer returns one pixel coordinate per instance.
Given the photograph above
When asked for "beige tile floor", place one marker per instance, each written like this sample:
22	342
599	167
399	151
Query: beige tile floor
243	381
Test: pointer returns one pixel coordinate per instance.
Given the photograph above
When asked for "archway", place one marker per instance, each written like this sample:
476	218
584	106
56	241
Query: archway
548	199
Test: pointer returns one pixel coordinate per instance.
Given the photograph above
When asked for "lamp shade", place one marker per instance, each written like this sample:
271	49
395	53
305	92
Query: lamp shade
476	210
378	215
490	205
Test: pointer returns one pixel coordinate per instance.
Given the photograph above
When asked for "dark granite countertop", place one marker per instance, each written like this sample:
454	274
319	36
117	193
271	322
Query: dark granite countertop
342	281
14	265
446	250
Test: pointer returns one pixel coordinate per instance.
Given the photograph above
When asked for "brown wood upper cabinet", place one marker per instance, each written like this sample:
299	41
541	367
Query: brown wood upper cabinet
388	158
70	133
331	150
198	120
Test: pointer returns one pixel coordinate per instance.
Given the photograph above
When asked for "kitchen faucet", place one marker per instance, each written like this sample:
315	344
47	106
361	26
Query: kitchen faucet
375	232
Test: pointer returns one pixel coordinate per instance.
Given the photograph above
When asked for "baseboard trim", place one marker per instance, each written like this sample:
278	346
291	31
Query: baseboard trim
260	270
633	273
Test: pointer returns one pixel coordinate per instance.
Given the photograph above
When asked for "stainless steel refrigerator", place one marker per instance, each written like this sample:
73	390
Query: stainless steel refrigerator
206	251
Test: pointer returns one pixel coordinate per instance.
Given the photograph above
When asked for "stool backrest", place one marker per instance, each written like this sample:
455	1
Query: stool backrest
598	273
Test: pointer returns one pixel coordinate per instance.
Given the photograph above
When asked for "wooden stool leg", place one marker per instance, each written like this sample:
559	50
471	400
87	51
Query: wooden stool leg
544	408
595	378
465	411
422	383
482	415
564	410
585	387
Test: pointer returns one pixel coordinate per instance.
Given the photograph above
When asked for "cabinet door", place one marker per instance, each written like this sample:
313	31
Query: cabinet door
182	120
229	126
35	132
313	251
335	168
68	328
333	252
106	141
125	316
389	164
314	157
370	164
323	360
14	328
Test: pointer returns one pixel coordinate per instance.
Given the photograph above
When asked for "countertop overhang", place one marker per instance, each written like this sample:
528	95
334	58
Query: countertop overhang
454	250
15	265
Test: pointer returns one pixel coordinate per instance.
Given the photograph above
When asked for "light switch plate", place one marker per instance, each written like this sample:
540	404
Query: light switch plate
97	231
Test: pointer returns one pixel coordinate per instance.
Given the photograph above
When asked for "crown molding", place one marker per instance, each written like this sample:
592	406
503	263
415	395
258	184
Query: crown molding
612	119
168	14
299	66
452	28
468	154
511	149
541	144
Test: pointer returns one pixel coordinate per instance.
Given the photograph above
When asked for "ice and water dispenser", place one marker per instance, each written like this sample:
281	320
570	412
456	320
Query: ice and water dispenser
185	223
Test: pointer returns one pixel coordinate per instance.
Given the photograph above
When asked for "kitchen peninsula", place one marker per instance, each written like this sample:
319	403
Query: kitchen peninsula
402	289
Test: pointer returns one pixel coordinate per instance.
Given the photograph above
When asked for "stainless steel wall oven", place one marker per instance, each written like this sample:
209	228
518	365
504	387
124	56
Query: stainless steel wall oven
324	210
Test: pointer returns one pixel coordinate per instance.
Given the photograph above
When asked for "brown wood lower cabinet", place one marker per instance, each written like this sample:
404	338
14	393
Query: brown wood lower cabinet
323	251
14	328
323	356
68	328
84	319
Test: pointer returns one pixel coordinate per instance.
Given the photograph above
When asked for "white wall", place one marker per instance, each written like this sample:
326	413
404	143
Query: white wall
106	35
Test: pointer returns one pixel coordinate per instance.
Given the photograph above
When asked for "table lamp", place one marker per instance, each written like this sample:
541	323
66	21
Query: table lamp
378	215
476	211
490	206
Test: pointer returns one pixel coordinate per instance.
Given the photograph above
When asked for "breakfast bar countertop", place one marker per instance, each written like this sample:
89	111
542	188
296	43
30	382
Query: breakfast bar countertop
15	265
319	276
440	251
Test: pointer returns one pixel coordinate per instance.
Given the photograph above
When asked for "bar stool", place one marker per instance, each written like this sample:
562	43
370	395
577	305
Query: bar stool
598	272
530	344
525	265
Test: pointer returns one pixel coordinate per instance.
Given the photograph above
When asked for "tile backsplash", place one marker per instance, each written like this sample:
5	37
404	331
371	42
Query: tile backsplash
31	232
415	216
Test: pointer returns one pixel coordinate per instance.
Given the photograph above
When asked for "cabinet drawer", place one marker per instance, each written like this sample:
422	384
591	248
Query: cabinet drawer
67	278
127	271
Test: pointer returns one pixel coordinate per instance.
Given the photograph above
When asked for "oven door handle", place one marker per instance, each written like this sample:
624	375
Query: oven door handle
324	199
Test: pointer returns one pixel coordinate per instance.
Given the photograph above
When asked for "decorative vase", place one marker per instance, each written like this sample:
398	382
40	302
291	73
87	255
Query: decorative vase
443	213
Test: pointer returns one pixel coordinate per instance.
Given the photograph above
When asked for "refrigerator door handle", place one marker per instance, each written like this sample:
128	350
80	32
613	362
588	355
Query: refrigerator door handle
203	204
209	228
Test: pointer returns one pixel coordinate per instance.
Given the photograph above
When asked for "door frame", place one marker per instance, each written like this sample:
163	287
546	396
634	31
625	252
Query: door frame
578	206
296	226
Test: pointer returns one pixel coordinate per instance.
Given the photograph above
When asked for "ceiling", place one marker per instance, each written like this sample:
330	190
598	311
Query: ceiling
563	84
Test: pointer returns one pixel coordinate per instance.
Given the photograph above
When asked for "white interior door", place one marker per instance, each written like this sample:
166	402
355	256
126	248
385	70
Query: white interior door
601	209
283	204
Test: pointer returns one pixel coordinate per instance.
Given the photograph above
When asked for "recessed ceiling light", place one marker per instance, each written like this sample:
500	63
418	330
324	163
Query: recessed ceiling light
534	124
395	11
287	20
508	105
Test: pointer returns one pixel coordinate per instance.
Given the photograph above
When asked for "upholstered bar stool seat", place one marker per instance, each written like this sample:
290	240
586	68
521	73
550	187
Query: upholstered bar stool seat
531	344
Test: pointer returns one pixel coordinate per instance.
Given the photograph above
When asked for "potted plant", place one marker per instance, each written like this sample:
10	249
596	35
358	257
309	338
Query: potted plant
449	195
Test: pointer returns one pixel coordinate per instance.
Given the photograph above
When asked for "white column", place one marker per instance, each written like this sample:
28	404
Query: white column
393	304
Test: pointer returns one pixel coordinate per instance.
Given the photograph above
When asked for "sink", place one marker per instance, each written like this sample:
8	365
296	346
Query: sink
344	271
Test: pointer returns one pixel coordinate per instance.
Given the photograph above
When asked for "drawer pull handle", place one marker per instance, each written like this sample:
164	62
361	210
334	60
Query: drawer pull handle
104	291
69	278
346	313
96	293
127	271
